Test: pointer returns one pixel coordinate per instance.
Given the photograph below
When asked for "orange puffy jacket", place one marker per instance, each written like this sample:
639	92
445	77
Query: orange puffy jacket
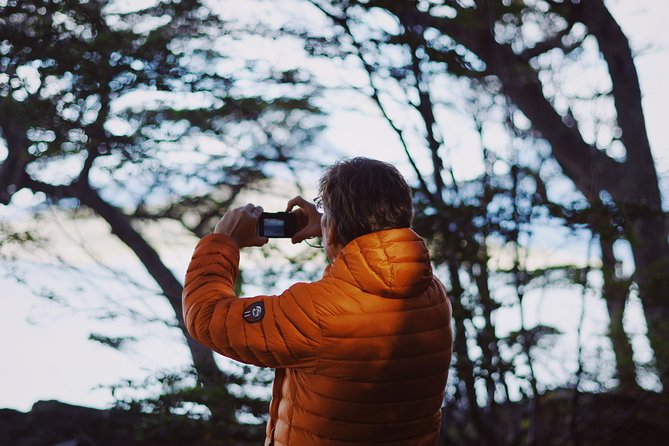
361	355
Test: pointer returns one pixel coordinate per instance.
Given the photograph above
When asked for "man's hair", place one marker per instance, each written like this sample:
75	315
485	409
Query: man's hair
363	195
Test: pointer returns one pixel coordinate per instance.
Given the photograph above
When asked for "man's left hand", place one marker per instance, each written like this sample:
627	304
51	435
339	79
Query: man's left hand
240	224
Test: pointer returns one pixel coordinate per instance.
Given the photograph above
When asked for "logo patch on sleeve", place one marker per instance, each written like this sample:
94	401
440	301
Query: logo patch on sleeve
254	312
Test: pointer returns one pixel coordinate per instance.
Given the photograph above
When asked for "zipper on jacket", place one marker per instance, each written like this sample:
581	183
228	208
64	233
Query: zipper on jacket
279	375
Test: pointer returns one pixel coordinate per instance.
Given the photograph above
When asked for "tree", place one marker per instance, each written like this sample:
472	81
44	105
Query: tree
517	49
412	52
146	106
505	59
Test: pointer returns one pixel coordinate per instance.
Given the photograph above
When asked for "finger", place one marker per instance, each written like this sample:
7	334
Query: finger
296	201
259	241
291	204
257	210
301	220
296	238
299	236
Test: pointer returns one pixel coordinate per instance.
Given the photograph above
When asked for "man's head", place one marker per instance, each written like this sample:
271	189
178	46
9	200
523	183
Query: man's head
362	195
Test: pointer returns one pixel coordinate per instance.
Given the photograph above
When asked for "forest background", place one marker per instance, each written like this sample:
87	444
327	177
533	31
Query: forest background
531	130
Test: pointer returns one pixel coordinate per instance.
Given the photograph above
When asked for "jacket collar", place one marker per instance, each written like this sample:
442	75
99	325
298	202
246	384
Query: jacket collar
391	263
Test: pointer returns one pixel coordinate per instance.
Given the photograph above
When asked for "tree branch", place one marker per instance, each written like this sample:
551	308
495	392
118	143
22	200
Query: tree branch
121	226
591	169
626	92
551	43
342	22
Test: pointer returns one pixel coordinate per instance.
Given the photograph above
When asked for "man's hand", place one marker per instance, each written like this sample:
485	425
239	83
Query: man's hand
308	219
240	225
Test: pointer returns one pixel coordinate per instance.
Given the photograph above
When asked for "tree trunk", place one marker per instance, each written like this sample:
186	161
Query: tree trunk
651	255
121	226
638	192
633	183
615	294
463	364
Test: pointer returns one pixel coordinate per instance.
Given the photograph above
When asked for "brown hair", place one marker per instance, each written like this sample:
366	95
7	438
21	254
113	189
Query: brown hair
363	195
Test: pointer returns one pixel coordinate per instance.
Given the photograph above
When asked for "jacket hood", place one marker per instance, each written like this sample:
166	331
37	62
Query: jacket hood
391	263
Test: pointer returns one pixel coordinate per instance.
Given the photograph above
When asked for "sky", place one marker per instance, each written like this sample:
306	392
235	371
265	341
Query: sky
45	349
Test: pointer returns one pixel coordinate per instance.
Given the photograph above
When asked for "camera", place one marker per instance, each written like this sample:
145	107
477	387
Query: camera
277	225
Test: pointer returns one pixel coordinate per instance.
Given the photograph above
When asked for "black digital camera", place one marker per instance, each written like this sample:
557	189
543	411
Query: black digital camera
277	225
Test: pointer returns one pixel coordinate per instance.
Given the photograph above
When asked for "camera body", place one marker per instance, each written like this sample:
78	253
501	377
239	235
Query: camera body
277	225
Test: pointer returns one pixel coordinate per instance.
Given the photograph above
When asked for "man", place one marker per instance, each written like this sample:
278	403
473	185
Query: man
362	355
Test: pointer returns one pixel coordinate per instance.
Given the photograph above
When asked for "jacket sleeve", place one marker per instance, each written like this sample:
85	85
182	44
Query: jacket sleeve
283	331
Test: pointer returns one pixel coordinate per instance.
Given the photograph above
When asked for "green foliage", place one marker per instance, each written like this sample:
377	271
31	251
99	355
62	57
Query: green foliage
146	113
116	343
185	411
131	92
11	238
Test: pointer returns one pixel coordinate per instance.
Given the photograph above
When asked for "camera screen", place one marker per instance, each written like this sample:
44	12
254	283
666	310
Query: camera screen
273	227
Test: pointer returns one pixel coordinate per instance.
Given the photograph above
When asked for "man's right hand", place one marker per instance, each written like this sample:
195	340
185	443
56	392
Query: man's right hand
240	225
308	219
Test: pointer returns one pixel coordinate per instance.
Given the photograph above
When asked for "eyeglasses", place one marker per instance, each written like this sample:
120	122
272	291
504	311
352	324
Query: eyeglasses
318	202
